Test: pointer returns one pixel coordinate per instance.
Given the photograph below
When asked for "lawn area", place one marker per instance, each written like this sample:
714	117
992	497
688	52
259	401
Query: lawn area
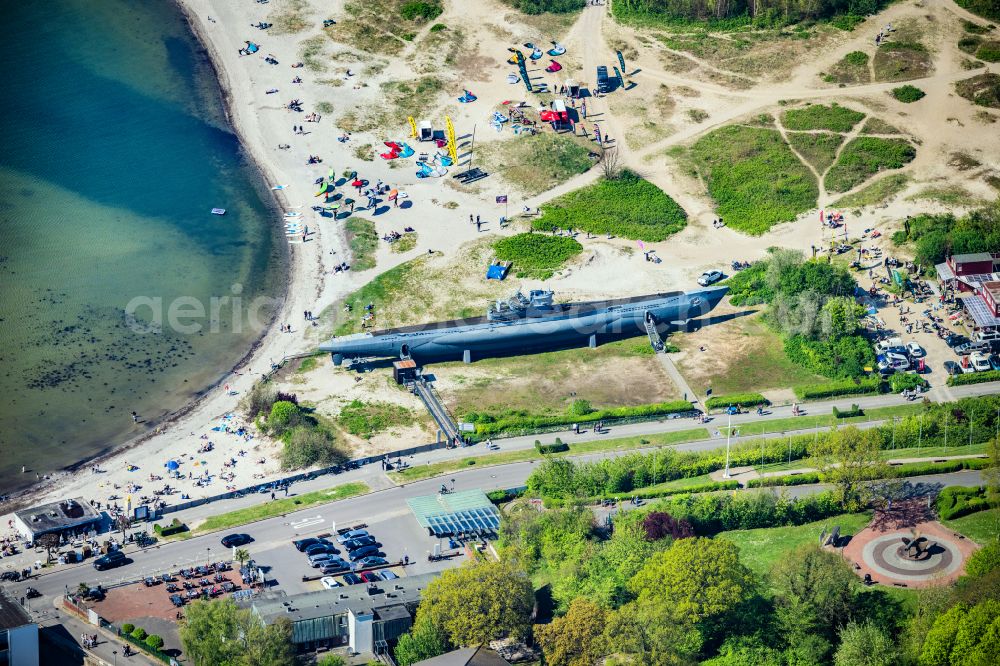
864	157
761	549
366	419
627	206
794	423
901	61
875	193
537	255
754	177
926	452
833	118
818	148
363	239
411	474
747	356
534	164
281	506
876	125
982	526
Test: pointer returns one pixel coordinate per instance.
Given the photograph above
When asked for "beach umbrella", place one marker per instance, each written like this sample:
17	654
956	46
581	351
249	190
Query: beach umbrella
172	465
393	194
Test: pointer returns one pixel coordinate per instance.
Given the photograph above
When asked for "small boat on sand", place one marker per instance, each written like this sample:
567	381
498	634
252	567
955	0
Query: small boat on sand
218	211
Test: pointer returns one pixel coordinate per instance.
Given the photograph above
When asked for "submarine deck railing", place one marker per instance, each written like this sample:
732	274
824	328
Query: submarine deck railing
440	415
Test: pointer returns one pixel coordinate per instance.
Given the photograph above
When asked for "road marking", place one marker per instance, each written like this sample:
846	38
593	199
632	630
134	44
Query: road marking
306	522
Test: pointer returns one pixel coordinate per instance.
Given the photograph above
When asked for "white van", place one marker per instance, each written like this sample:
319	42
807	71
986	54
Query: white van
986	336
980	362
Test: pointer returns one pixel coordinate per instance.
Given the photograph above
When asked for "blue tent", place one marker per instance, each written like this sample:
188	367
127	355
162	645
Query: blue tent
496	272
172	465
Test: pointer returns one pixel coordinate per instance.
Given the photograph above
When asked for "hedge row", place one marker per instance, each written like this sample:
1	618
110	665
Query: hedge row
487	425
847	413
834	389
649	493
175	527
738	399
974	378
900	471
558	447
958	501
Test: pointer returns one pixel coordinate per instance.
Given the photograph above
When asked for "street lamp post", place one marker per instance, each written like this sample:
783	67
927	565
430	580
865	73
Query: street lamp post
729	434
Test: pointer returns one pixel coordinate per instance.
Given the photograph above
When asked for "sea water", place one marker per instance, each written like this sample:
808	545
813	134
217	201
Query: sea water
115	148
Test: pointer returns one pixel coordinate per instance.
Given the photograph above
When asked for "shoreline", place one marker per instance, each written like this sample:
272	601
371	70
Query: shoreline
37	492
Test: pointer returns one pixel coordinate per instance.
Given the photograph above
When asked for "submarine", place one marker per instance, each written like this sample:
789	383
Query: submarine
533	323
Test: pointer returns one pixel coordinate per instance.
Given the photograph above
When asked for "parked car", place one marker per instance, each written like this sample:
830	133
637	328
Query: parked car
316	561
972	347
995	361
177	600
709	277
115	558
362	552
915	350
318	548
352	579
329	583
370	561
353	534
370	577
980	362
360	542
231	540
388	574
335	566
953	340
952	368
32	593
10	575
302	544
889	363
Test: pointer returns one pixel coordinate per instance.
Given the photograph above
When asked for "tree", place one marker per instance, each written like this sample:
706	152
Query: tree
154	641
331	660
660	525
865	645
642	631
610	162
815	589
984	560
242	555
220	632
575	639
284	416
605	575
479	602
49	542
695	579
851	460
424	641
310	445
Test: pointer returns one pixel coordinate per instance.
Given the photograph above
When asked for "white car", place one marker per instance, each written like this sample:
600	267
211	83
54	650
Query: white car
353	534
980	362
329	582
915	350
709	277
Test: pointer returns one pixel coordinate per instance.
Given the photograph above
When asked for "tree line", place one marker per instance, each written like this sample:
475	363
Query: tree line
770	11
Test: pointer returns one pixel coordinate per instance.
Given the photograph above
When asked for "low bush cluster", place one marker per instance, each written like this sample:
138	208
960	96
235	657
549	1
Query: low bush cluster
558	446
803	479
833	389
866	156
834	118
514	421
537	255
958	501
899	471
175	527
749	286
848	413
906	381
839	358
711	514
735	399
974	378
908	94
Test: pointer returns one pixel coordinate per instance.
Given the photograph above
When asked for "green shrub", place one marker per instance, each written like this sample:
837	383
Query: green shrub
969	44
512	421
284	416
628	207
754	177
420	9
749	286
139	634
856	59
984	560
536	255
154	641
958	501
803	479
974	378
306	446
864	157
834	389
175	527
737	399
905	381
438	27
834	118
547	6
847	413
908	94
990	52
128	628
841	358
557	447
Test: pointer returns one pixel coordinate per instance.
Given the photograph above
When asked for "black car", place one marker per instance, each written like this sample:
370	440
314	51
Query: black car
952	368
302	544
318	548
362	552
352	579
177	600
115	558
10	575
231	540
360	542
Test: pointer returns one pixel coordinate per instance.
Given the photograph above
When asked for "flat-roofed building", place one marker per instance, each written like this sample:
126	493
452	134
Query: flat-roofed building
67	518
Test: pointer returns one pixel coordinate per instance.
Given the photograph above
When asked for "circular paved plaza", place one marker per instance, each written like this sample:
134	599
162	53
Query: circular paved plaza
886	556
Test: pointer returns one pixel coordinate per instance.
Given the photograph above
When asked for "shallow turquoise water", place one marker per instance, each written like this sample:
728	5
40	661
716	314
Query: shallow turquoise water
114	151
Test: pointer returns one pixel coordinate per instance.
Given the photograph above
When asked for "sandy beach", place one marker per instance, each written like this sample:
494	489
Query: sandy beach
437	209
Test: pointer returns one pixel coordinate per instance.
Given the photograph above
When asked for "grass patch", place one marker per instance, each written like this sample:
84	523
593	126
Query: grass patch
819	148
537	255
975	28
405	244
312	54
876	193
879	126
411	97
627	206
411	474
982	89
363	240
925	453
761	549
901	61
963	161
281	506
908	94
852	68
382	26
834	118
982	526
367	419
969	44
949	195
290	18
534	164
793	423
364	152
864	157
307	365
754	177
985	8
326	108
